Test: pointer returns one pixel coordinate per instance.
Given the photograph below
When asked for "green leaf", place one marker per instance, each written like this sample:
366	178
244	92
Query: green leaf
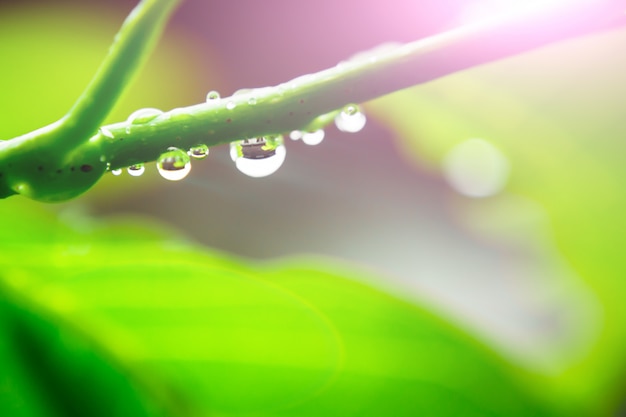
557	115
205	334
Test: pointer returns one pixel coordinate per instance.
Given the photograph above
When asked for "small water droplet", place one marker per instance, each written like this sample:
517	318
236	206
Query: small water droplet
136	170
116	172
476	168
252	101
295	135
127	130
258	157
103	158
212	96
144	115
231	105
106	132
313	138
199	152
351	119
174	165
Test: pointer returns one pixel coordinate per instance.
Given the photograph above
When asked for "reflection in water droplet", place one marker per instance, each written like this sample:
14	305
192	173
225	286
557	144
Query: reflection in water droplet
144	115
295	135
106	132
313	138
136	170
258	157
174	165
231	105
199	152
476	168
212	95
350	119
116	172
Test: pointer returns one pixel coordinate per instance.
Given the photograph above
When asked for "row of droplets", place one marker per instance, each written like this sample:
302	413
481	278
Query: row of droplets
255	157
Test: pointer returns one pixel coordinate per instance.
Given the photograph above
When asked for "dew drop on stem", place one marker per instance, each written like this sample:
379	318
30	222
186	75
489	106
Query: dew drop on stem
258	157
350	119
174	164
144	115
313	138
116	172
212	96
199	152
136	170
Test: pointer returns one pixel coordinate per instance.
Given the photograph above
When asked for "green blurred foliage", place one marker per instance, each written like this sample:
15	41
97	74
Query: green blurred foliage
557	115
202	333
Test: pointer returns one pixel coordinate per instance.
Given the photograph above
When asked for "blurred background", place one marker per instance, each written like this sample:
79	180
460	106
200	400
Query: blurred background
474	194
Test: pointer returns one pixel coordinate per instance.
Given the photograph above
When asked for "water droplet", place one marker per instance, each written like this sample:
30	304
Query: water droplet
127	130
476	168
116	172
350	119
144	115
313	138
106	132
231	105
136	170
174	165
212	95
199	152
295	135
252	101
258	157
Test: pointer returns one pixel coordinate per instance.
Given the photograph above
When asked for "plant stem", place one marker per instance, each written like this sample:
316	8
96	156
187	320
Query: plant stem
292	105
54	163
295	104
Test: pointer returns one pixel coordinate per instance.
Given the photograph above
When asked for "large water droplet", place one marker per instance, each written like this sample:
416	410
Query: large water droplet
258	157
476	168
212	96
199	152
136	170
144	115
174	165
116	172
350	119
313	138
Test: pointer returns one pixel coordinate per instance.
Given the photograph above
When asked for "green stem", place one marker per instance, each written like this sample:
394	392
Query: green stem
295	104
133	44
53	163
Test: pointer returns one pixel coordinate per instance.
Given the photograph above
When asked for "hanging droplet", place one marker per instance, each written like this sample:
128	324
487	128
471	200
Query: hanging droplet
231	105
212	96
350	119
258	157
199	152
313	138
144	115
295	135
174	165
116	172
136	170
